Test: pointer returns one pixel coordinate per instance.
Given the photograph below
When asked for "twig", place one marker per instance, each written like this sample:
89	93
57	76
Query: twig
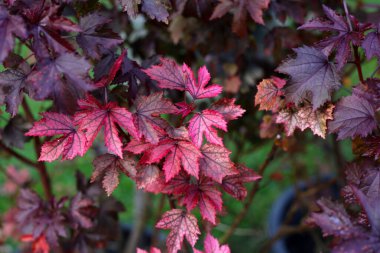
17	155
41	166
355	48
156	218
250	197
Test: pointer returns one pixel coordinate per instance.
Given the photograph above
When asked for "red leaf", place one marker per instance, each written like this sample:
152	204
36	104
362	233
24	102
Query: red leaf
71	144
241	8
93	116
150	178
205	123
211	245
181	224
108	167
198	89
152	250
206	196
233	184
168	75
269	92
178	151
148	109
216	163
184	108
138	146
228	109
106	80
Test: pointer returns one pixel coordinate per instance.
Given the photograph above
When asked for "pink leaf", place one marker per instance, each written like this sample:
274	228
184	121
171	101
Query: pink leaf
168	75
216	163
72	143
198	89
148	110
205	123
181	224
228	109
93	116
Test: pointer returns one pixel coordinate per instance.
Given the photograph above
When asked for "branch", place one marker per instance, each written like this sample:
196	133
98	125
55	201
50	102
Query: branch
18	156
250	197
355	48
41	166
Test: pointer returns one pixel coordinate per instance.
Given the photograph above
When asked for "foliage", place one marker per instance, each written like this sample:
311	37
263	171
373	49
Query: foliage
169	127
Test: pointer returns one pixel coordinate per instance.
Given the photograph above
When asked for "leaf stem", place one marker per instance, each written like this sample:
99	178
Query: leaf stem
250	197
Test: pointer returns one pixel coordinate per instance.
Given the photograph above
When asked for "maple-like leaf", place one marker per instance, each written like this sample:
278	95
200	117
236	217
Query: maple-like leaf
148	111
94	38
157	9
168	75
108	167
341	42
216	162
130	6
181	224
138	146
304	117
206	196
12	83
107	79
228	109
333	219
39	245
63	79
269	92
199	89
178	151
234	184
353	116
185	109
46	26
150	178
371	43
241	10
72	143
206	123
349	237
93	116
151	250
10	26
312	74
211	245
82	210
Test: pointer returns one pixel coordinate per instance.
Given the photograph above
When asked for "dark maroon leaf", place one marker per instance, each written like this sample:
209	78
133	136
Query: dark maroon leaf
353	116
64	80
341	42
94	37
10	26
371	43
310	72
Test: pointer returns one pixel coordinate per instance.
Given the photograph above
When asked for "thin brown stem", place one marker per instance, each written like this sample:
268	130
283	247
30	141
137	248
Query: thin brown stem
358	63
17	155
41	166
250	197
355	48
158	214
